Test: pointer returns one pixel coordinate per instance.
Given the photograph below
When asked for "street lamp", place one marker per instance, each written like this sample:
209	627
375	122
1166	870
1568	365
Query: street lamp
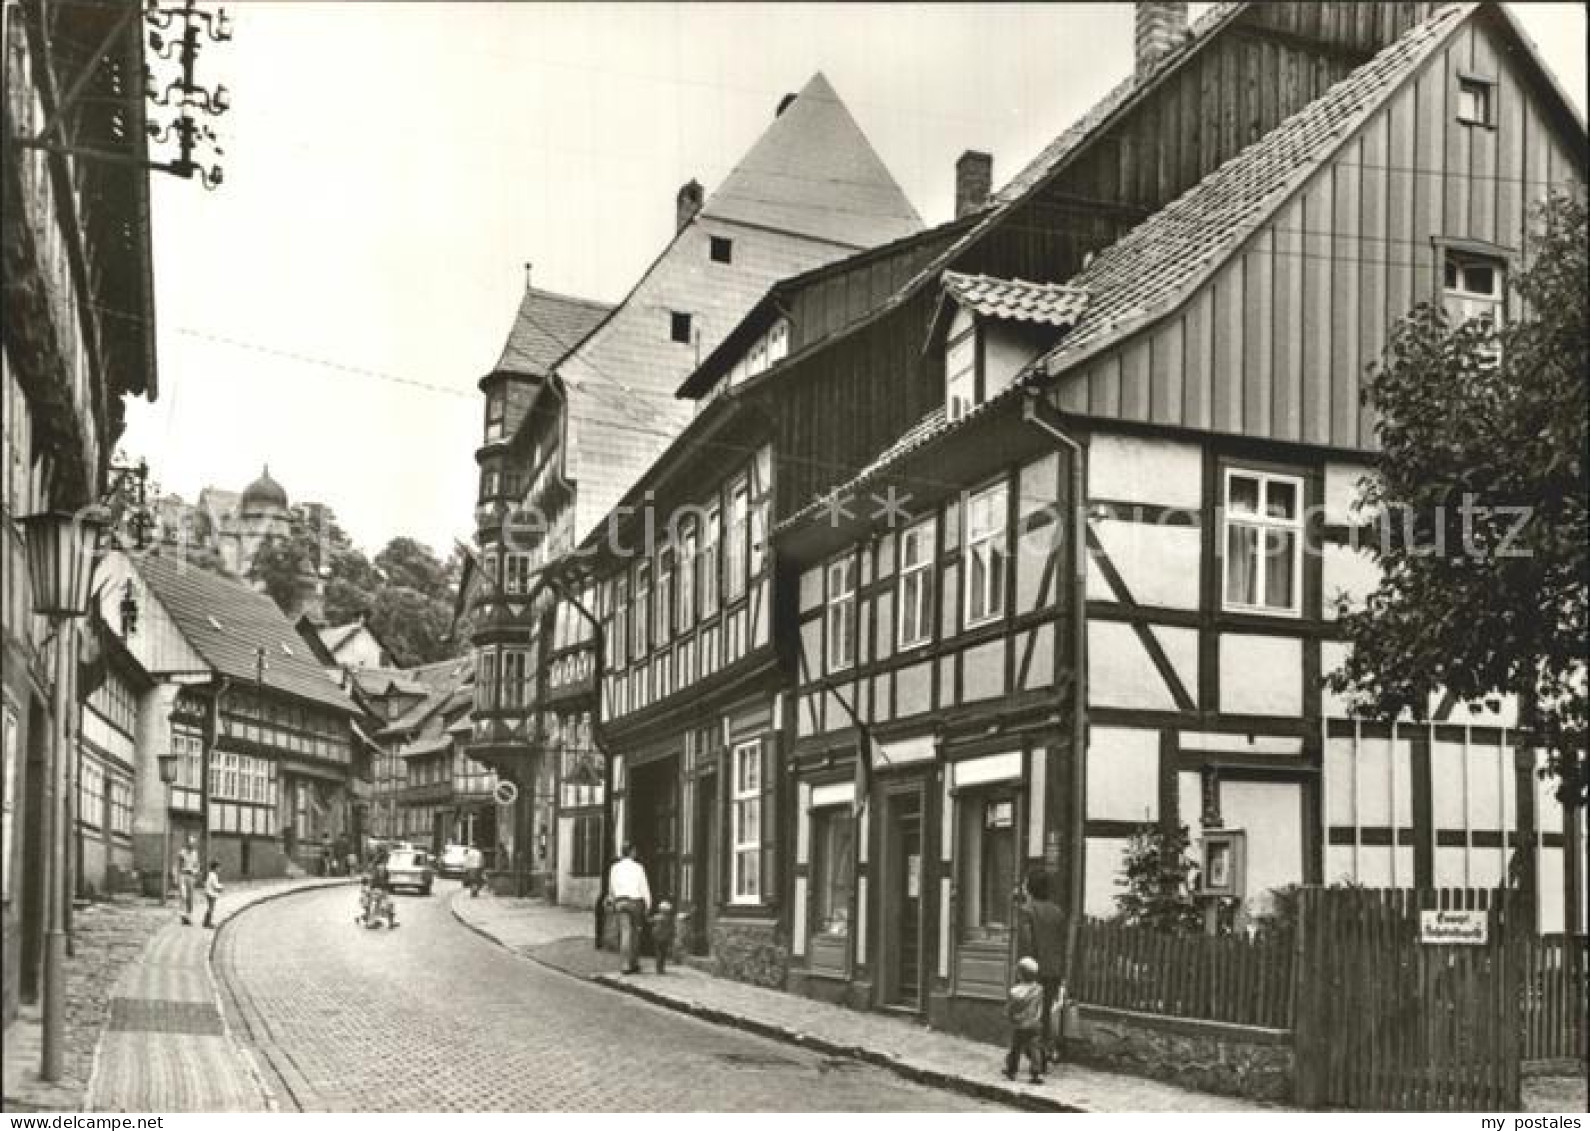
60	548
168	776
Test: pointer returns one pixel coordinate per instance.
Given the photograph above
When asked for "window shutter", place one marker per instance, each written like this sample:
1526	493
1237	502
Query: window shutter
767	887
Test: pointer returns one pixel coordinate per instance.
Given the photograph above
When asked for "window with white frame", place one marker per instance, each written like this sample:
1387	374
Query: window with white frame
496	414
687	578
746	802
486	679
620	634
986	555
915	584
513	677
91	795
1476	102
1474	286
1263	542
663	606
516	573
641	624
707	562
736	541
842	612
187	743
121	806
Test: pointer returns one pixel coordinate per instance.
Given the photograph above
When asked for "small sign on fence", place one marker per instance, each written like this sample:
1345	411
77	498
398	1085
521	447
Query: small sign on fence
1444	928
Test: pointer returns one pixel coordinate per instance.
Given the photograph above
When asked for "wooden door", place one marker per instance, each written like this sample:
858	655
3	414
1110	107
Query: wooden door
901	929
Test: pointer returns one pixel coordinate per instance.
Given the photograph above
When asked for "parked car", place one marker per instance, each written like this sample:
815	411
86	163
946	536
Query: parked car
453	861
410	868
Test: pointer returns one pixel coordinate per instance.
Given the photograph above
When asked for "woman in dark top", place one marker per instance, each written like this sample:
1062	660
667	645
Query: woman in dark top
1040	935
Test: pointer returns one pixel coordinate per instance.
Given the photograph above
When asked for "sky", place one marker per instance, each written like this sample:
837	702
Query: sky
391	168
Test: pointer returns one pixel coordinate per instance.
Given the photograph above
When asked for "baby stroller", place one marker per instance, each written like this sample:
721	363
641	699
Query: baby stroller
375	907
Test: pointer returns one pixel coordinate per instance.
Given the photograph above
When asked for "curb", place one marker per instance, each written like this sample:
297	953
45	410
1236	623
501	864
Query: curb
244	1050
977	1089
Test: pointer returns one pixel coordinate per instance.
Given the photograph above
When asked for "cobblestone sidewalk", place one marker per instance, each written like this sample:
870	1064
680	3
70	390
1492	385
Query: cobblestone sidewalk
561	938
144	1028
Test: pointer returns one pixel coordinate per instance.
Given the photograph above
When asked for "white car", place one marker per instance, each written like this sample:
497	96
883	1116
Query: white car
454	861
409	868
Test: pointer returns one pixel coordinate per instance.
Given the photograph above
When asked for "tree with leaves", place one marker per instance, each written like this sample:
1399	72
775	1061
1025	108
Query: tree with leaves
1158	874
1481	489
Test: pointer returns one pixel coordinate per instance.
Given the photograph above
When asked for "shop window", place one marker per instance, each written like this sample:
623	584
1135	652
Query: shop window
833	870
1263	542
987	860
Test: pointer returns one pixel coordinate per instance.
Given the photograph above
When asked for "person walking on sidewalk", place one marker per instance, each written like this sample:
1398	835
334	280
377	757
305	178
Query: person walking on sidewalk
662	933
212	892
631	895
1040	933
187	870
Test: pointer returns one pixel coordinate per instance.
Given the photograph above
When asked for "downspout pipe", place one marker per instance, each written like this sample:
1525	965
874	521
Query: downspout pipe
1037	411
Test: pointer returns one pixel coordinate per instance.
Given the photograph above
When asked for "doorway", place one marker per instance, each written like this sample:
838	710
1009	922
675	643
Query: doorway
704	890
653	824
900	933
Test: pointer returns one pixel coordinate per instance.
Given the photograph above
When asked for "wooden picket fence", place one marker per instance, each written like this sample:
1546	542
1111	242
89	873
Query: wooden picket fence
1234	979
1389	1023
1555	996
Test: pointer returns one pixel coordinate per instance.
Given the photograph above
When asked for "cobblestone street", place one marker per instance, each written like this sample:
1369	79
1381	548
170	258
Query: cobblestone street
433	1017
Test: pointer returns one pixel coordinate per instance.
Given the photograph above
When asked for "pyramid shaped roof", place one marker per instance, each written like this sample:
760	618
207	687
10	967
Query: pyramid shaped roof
814	173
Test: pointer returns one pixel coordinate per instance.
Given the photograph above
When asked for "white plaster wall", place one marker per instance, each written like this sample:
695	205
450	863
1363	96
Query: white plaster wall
1005	354
1123	774
1141	470
1101	874
1120	673
1271	814
1341	493
1261	675
1160	565
1344	571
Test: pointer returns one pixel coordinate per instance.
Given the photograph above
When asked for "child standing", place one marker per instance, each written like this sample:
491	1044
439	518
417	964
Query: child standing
662	933
1024	1008
212	892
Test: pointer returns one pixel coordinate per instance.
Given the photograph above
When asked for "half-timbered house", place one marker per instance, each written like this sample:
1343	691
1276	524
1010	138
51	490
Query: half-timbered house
1105	596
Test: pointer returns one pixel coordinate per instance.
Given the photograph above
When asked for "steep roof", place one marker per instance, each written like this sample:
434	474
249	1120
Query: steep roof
1161	261
547	326
1157	265
813	172
226	622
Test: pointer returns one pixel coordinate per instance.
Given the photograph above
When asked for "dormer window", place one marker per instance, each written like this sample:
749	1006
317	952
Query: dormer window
1476	102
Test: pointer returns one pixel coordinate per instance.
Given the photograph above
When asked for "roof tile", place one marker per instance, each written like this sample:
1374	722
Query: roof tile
1016	300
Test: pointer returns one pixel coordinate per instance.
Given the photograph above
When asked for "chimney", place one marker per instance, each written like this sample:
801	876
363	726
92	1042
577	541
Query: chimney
783	104
974	180
527	267
686	204
1160	27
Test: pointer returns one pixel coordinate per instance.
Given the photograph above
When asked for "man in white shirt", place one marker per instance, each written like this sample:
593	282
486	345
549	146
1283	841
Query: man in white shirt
631	895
